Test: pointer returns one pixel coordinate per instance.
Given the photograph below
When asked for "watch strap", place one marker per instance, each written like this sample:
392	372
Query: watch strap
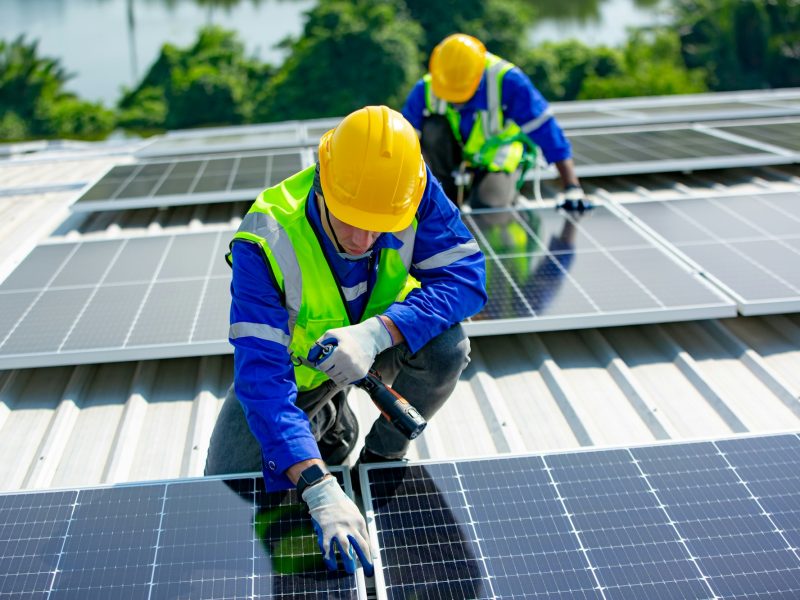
309	476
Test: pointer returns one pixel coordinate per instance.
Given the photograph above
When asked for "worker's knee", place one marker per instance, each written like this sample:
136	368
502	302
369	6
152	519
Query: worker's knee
446	355
494	190
232	448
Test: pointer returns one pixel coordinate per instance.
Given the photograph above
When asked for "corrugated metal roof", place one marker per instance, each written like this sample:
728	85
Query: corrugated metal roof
84	425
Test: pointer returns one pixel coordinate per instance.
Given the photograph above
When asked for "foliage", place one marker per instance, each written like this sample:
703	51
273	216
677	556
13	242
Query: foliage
742	43
33	102
212	82
651	66
499	24
559	69
350	54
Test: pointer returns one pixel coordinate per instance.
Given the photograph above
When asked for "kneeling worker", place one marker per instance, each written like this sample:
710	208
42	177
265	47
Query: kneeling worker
478	114
327	254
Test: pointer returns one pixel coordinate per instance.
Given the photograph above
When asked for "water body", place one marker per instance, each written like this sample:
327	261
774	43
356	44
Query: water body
594	23
108	44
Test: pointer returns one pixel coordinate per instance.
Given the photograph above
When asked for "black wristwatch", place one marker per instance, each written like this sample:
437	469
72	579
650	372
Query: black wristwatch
310	476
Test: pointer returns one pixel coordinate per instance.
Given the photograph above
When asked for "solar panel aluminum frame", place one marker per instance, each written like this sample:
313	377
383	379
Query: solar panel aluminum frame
151	149
366	494
761	156
344	471
587	321
178	199
687	108
716	130
743	139
745	307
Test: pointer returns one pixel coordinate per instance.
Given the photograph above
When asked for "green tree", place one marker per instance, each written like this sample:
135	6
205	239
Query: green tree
34	103
500	24
559	69
651	66
210	83
742	43
350	54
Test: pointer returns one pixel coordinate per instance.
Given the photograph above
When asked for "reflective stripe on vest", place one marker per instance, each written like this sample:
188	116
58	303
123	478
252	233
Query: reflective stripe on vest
490	143
449	256
277	223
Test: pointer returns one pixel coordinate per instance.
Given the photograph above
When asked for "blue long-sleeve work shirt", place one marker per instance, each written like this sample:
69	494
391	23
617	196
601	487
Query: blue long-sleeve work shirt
263	374
521	102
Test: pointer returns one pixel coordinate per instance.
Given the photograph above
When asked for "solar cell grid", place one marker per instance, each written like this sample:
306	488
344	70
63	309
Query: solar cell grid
547	269
749	244
784	134
212	539
658	145
195	181
147	297
692	520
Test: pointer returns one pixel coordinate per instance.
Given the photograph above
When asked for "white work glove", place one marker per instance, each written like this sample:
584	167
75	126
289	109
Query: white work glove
356	347
575	199
338	524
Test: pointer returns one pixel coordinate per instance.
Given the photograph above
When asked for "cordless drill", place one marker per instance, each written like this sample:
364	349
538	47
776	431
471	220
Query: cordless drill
392	405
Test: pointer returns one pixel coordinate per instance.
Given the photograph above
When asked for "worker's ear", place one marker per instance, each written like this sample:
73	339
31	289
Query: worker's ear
317	185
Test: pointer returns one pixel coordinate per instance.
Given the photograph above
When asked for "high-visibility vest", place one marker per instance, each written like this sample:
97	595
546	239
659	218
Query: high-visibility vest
491	143
277	223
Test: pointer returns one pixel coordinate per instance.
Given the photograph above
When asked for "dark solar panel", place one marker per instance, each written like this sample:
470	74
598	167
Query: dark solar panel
784	134
194	181
547	270
201	539
609	152
129	298
693	520
749	244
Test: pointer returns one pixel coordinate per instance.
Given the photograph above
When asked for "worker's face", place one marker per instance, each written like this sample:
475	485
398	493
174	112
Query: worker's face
355	241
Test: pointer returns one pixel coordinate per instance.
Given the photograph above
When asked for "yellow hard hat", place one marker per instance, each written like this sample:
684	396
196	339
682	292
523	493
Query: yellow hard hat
456	67
371	170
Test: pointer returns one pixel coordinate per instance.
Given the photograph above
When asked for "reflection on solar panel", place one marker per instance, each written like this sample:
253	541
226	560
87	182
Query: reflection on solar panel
750	245
196	181
123	299
785	134
693	520
210	538
225	139
599	153
548	270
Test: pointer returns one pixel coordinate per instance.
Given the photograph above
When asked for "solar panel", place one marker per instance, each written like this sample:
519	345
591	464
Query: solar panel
785	134
606	152
683	109
123	299
224	139
210	538
550	270
199	180
715	519
748	245
166	296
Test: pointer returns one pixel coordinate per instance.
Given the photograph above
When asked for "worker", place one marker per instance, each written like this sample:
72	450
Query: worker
329	256
479	117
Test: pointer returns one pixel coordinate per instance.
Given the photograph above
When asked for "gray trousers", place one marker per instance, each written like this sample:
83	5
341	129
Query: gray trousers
426	379
443	154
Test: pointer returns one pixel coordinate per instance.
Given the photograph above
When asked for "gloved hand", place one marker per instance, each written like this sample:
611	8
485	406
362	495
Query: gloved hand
575	199
338	524
355	351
